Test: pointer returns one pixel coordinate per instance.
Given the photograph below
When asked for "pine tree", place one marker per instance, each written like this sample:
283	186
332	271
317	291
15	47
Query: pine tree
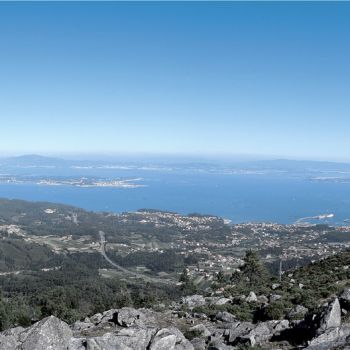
254	271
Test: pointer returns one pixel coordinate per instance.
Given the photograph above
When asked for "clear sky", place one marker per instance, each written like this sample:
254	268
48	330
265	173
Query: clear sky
226	78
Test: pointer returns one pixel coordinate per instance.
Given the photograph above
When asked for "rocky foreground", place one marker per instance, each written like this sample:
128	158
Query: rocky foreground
129	328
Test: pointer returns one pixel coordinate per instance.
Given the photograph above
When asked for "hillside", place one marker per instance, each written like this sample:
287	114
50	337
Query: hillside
62	261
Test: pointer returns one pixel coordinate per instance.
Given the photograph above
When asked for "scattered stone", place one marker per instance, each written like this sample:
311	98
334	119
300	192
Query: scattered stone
251	297
200	330
297	312
81	326
236	330
193	301
274	297
222	301
95	319
276	327
225	316
198	343
262	299
200	315
131	329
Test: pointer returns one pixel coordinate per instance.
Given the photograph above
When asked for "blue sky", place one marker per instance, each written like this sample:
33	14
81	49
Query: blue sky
197	78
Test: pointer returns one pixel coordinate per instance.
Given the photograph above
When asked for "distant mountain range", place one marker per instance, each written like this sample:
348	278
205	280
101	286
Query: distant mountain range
33	160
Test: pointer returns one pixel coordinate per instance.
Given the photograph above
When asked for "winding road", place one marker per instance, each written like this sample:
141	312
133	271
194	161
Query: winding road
103	243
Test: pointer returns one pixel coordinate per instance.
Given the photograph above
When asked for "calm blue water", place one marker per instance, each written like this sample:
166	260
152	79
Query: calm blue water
241	198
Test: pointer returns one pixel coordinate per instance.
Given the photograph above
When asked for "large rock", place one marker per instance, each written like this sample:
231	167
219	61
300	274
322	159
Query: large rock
164	339
254	334
332	338
278	326
236	330
9	339
47	334
181	342
259	334
132	338
331	317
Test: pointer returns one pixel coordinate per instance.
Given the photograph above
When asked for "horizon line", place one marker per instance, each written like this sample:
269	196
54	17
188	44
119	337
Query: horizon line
191	155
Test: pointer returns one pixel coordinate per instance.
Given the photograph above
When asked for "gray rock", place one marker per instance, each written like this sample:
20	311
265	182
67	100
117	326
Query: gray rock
200	315
200	330
251	297
236	330
47	334
193	301
127	316
132	338
259	334
222	301
263	299
225	316
297	312
275	286
331	318
163	340
219	345
181	342
274	297
107	316
249	334
198	344
344	299
96	318
345	296
80	326
9	339
276	327
331	338
77	344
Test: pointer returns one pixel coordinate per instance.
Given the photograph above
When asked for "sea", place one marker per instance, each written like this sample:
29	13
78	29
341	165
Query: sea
240	198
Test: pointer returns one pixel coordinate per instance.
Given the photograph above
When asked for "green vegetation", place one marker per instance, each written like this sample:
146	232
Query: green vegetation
72	292
16	254
309	286
36	281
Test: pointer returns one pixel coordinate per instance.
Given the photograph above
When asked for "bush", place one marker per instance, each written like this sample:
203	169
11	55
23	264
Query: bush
275	311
